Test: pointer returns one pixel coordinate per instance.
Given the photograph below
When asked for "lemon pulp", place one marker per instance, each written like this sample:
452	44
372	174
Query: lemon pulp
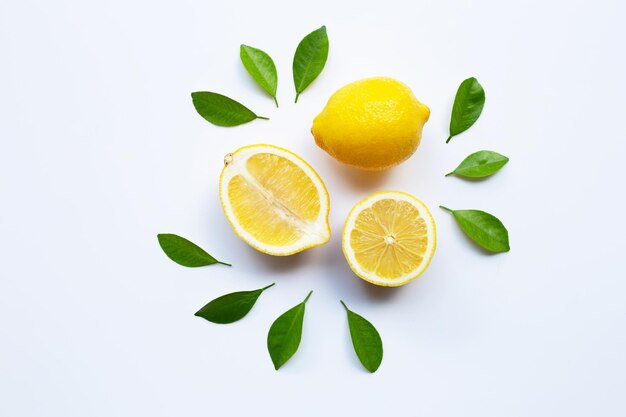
274	200
389	238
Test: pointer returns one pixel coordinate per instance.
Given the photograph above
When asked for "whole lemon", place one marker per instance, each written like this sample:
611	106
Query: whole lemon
372	124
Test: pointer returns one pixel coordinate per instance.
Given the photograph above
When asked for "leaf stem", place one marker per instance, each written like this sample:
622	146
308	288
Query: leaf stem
344	305
297	95
307	297
271	285
449	173
261	117
276	101
223	263
449	137
446	209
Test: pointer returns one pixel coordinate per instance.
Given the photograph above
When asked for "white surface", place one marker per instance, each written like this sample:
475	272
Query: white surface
102	150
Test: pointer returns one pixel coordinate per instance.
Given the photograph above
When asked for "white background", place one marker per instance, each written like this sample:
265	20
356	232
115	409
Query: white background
101	149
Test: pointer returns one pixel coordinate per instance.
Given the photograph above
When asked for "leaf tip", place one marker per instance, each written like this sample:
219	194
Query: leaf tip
373	369
161	238
275	361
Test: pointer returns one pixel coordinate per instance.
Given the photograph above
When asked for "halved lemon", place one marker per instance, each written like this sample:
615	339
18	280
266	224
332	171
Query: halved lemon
389	238
274	200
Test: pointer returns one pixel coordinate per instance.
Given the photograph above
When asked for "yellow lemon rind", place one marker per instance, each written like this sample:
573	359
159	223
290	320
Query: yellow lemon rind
349	126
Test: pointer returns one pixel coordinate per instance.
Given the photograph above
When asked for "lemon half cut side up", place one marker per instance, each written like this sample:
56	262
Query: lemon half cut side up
389	238
274	200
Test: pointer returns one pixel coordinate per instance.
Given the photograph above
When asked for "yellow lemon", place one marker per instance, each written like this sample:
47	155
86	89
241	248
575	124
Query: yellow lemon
371	124
274	200
389	238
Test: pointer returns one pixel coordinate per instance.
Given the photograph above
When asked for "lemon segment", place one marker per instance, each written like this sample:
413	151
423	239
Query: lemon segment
274	200
389	238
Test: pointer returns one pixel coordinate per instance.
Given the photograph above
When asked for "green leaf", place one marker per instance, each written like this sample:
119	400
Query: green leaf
480	164
366	341
184	252
261	67
468	104
221	110
483	228
309	59
230	307
285	334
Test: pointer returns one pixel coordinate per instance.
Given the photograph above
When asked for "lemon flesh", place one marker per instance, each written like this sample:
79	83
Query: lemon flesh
274	200
389	238
373	124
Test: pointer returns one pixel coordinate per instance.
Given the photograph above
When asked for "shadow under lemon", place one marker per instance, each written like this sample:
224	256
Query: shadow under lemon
355	178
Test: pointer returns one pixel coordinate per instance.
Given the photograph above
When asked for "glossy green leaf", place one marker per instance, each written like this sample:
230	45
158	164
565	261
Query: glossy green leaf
366	340
483	228
309	59
285	334
230	307
221	110
468	104
184	252
261	67
480	164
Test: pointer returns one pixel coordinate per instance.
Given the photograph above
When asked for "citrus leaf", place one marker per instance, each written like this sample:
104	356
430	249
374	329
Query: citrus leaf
285	334
483	228
261	68
221	110
184	252
366	340
309	59
230	307
468	104
480	164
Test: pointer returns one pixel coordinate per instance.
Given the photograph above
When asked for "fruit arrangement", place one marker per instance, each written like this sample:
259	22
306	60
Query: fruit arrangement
278	204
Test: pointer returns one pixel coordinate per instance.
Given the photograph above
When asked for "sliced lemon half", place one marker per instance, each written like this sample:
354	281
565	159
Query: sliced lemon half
389	238
274	200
